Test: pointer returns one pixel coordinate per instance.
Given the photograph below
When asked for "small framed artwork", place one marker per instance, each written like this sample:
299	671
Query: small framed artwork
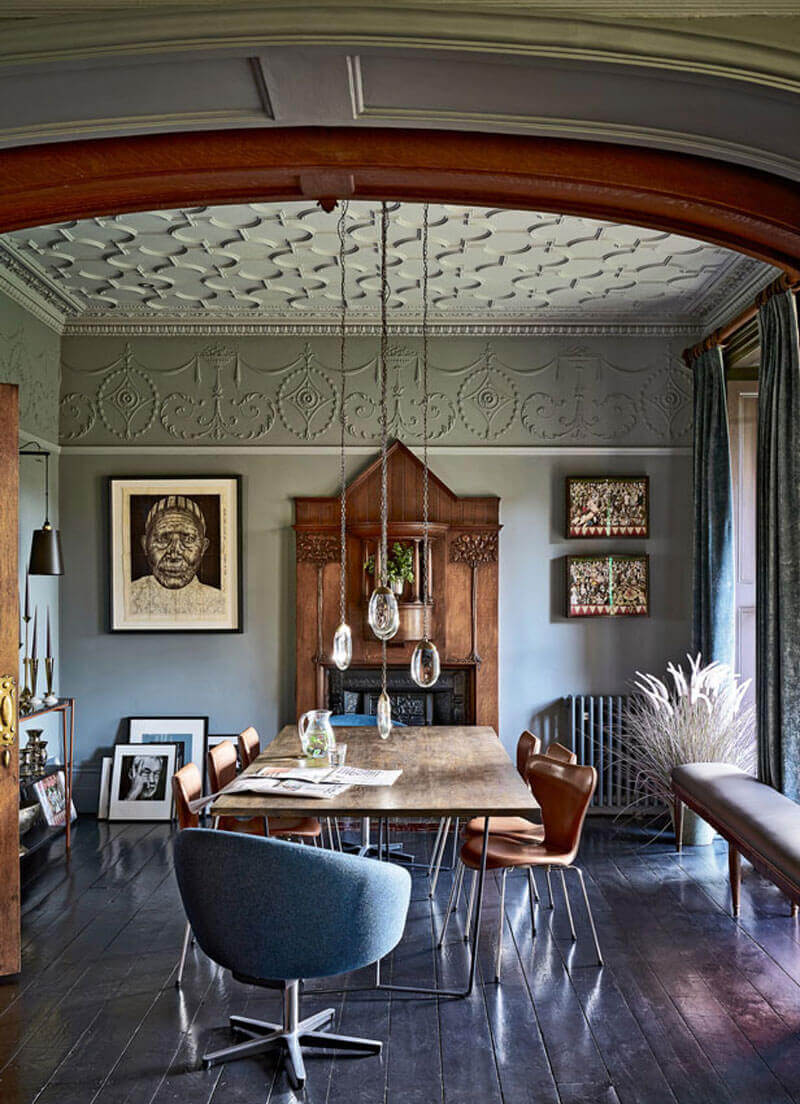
141	787
608	506
51	795
190	732
175	554
105	788
608	586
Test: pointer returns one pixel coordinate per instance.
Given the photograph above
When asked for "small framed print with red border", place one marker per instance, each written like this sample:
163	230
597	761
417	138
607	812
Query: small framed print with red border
608	586
608	506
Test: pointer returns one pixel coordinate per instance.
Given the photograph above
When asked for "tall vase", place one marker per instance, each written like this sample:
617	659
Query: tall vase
696	831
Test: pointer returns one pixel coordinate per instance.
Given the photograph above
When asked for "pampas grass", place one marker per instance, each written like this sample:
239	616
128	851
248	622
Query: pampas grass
694	717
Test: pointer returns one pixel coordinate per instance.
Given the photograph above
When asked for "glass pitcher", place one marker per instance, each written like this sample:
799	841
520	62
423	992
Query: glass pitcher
316	733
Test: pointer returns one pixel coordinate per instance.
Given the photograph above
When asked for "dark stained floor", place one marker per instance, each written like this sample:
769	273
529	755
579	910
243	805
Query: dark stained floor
690	1006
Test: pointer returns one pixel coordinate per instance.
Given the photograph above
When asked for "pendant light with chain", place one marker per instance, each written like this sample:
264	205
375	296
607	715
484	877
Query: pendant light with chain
382	614
342	638
425	663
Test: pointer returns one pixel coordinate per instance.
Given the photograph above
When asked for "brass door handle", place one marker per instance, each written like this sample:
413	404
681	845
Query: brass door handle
8	718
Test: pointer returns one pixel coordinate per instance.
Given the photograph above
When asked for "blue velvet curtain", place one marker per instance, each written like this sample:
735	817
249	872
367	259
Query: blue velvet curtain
712	577
778	547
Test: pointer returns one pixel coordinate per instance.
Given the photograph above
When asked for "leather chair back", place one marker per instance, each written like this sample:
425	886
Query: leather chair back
527	745
187	785
221	765
249	746
561	753
564	791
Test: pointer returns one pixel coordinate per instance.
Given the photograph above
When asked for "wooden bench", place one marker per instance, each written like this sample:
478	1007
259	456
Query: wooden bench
756	820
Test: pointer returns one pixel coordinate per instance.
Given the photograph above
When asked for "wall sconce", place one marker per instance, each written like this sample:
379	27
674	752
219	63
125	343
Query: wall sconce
45	557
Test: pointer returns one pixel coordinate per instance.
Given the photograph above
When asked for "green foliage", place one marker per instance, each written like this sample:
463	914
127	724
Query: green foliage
399	566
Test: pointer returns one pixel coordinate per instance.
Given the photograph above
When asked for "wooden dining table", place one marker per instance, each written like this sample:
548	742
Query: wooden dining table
448	771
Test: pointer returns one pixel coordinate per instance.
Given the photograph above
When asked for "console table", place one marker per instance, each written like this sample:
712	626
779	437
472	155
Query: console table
66	707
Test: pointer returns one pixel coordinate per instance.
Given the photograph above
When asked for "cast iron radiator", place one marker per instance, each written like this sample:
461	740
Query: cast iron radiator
596	727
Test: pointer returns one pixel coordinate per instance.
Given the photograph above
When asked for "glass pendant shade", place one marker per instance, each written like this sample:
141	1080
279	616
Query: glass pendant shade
384	716
383	614
45	556
342	647
425	664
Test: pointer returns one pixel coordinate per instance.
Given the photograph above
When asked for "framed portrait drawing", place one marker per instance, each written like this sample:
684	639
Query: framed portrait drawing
608	506
175	554
189	733
141	781
608	586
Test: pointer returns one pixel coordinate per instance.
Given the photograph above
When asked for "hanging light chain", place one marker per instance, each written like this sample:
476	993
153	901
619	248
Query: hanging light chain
342	474
425	403
384	414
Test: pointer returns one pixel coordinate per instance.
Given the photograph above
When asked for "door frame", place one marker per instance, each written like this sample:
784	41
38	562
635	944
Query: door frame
743	209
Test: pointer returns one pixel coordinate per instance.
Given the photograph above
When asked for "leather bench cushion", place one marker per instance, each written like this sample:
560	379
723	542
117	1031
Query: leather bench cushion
766	820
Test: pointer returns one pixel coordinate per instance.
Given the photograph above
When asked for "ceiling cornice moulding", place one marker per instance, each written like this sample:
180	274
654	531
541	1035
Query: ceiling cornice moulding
624	34
34	292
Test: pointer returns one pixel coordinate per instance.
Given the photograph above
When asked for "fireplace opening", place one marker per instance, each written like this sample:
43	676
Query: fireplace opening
449	702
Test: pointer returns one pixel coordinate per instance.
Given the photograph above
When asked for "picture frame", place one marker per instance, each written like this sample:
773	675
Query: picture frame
611	585
191	732
104	794
52	797
175	554
141	787
606	506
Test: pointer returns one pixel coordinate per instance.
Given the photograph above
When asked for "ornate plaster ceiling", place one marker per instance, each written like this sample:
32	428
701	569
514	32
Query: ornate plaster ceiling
277	265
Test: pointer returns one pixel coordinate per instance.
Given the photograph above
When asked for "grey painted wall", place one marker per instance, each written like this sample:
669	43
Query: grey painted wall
249	679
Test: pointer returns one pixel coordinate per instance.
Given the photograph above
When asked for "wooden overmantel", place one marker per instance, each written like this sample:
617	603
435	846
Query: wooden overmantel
464	559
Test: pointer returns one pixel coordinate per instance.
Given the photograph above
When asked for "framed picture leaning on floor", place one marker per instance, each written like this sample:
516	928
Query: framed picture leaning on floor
141	782
175	554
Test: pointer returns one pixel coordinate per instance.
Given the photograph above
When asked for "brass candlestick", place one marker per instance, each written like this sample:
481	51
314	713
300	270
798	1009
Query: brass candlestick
35	701
26	694
49	664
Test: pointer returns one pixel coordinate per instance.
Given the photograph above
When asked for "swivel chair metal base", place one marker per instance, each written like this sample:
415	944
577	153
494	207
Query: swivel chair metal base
293	1034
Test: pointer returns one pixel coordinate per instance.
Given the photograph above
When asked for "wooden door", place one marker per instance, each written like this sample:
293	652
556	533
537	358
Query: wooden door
9	668
743	417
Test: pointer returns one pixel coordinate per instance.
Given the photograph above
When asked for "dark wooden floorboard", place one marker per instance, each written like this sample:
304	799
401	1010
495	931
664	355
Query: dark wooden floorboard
691	1007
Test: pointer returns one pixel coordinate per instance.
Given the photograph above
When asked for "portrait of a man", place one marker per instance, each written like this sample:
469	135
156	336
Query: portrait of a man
175	554
143	778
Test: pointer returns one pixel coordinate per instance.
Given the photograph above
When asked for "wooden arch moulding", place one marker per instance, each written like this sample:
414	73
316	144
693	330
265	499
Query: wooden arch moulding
463	583
743	209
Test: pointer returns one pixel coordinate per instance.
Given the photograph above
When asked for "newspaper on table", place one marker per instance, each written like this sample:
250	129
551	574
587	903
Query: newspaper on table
333	776
304	782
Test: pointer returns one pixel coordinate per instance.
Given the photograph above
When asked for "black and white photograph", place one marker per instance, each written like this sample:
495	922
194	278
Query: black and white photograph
188	733
141	786
175	554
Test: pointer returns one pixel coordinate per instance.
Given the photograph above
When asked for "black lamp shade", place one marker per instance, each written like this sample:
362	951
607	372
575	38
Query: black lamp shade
46	552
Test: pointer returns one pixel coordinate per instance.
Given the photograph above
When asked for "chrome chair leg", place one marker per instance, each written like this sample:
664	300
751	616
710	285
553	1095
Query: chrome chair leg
443	845
338	833
499	958
569	906
455	841
549	886
589	914
435	850
454	889
533	897
187	938
471	904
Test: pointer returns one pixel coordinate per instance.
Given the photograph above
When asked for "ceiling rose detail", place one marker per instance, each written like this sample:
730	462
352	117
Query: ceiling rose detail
277	264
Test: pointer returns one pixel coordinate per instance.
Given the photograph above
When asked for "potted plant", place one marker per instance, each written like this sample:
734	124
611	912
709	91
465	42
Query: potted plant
699	718
399	567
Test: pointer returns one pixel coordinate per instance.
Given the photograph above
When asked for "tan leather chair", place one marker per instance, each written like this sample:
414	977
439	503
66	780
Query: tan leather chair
564	792
249	746
527	745
222	771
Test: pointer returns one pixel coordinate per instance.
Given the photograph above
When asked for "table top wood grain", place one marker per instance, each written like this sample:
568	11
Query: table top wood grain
448	770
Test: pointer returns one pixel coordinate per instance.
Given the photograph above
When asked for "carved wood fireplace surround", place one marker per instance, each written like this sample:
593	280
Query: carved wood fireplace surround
463	589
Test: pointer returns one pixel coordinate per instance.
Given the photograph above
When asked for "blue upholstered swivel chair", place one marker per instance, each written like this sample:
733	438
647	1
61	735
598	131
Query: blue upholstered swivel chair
274	912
